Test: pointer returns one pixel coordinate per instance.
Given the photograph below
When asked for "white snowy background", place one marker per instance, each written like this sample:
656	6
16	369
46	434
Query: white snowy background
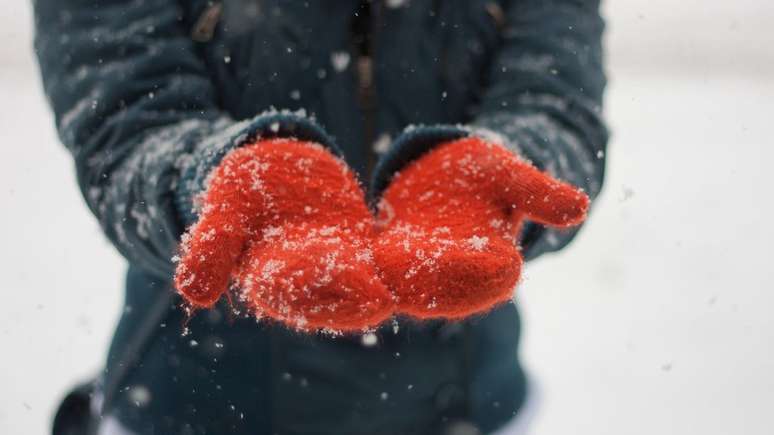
657	320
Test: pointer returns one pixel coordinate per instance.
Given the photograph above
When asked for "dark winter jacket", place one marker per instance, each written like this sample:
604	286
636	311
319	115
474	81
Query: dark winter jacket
150	94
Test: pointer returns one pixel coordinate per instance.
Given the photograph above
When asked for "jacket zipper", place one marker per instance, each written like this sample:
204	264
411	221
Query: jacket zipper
366	92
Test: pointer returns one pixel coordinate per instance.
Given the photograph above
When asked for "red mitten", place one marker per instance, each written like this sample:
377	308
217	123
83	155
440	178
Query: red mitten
287	224
450	221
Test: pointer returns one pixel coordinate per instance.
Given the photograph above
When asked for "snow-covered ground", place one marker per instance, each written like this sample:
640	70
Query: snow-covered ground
656	321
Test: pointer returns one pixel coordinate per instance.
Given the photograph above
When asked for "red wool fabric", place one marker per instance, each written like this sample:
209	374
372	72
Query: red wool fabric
449	221
285	223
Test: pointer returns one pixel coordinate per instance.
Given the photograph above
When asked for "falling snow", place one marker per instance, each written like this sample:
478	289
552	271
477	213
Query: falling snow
478	243
340	60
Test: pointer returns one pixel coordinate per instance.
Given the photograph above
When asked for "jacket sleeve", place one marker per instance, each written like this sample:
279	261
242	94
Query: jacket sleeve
542	99
134	105
545	96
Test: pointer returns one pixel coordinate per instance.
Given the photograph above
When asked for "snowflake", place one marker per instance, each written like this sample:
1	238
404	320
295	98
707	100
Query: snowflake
478	243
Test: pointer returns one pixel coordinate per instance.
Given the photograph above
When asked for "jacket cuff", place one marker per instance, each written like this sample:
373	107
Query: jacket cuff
207	154
407	147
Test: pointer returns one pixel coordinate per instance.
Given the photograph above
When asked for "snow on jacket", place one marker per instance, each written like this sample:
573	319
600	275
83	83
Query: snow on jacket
149	95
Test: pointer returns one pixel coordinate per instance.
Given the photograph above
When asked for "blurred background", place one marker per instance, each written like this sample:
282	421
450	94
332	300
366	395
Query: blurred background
656	320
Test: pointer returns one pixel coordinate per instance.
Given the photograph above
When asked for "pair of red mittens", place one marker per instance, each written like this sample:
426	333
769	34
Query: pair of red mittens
286	223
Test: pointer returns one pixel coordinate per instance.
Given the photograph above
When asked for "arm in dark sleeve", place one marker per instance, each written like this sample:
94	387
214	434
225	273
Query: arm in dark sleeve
545	96
542	100
135	106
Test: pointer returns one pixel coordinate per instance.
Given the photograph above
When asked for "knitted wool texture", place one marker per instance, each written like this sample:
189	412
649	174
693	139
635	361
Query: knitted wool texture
449	224
286	225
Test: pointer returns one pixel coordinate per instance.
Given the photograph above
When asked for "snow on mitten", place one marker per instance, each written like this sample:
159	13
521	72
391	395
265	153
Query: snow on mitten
450	221
286	223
